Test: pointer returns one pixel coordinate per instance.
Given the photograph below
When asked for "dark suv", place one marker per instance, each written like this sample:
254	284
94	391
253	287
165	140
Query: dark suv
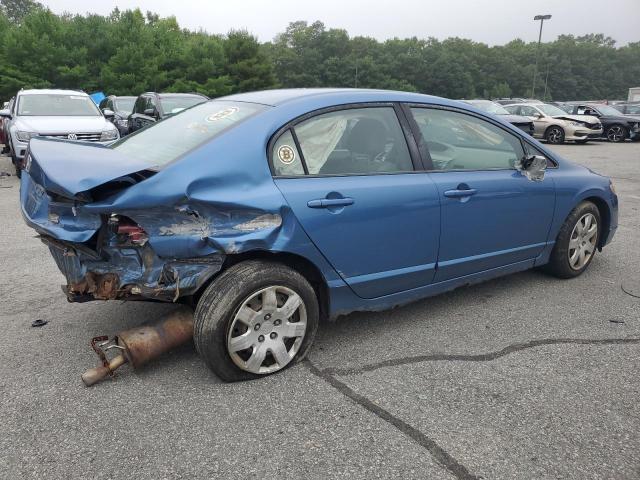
121	108
151	107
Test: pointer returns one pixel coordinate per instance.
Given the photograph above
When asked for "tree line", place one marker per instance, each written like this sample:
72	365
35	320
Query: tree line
128	52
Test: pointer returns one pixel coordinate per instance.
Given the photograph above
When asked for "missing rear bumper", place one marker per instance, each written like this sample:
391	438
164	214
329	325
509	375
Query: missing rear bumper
129	273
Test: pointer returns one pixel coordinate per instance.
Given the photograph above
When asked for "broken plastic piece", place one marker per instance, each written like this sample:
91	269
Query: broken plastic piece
39	323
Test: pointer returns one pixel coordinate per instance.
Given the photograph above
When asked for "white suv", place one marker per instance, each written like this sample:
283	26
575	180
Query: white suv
65	114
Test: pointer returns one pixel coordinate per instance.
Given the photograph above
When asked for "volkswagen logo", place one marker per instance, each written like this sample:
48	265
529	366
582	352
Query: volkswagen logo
72	136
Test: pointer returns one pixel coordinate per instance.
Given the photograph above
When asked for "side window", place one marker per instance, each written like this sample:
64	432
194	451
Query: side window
354	141
457	141
151	103
285	156
513	109
528	111
139	105
103	104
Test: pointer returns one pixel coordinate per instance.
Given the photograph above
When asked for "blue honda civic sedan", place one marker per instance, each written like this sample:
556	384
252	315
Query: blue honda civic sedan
273	210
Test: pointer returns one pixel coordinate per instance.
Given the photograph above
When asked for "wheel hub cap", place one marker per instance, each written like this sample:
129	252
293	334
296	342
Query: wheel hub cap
267	330
582	243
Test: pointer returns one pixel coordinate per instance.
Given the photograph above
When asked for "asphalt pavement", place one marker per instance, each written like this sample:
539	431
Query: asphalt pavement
523	377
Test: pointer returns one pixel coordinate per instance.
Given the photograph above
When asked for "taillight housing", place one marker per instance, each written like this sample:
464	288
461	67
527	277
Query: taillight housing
127	231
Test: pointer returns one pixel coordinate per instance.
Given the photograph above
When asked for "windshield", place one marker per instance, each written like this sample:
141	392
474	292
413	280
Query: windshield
178	103
490	107
550	110
607	110
57	105
125	104
171	138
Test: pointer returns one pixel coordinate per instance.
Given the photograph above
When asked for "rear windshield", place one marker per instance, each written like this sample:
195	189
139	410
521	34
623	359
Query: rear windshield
171	105
57	105
490	107
171	138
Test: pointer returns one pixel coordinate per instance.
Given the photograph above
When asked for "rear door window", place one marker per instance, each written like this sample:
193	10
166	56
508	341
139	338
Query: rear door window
356	141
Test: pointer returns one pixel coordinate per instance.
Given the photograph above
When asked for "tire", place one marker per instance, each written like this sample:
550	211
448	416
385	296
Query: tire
554	134
230	311
560	263
16	163
617	133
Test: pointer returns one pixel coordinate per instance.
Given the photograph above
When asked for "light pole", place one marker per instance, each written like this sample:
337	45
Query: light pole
542	18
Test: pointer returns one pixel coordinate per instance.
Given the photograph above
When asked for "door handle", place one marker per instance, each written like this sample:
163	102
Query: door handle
460	193
330	202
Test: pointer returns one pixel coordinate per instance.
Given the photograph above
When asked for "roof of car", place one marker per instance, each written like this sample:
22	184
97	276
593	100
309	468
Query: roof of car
279	96
51	91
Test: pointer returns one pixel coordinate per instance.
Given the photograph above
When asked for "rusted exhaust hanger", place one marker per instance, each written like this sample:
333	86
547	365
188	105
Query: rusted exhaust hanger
140	345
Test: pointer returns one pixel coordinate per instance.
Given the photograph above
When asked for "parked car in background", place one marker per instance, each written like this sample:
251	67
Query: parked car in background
556	126
523	123
118	109
628	108
3	135
274	210
151	107
61	114
509	101
617	127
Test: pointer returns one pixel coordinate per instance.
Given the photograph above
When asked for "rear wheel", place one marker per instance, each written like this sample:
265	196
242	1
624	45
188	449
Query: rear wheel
576	243
255	319
616	133
554	134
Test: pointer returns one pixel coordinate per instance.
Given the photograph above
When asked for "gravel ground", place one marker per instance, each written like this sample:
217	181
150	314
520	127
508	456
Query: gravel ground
521	377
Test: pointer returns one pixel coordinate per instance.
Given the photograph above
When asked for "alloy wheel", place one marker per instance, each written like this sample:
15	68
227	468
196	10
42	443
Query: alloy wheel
582	243
615	134
555	135
267	330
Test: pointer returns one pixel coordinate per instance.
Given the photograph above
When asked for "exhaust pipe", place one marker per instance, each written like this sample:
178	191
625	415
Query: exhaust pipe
140	345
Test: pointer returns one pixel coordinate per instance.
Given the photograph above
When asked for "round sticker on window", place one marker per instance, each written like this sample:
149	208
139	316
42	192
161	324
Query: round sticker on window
286	154
222	114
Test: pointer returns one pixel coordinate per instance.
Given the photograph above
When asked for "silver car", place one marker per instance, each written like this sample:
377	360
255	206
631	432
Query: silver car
64	114
556	126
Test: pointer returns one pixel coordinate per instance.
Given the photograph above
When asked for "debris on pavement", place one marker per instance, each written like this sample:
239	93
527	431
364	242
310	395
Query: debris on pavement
140	345
39	323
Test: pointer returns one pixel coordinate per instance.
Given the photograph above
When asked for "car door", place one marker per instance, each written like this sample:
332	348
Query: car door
540	124
350	179
492	215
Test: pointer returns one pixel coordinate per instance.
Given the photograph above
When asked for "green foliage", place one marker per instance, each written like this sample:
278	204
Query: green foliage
129	52
125	53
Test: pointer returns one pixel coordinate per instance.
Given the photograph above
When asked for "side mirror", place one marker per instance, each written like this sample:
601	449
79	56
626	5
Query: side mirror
108	114
5	113
538	115
533	167
150	112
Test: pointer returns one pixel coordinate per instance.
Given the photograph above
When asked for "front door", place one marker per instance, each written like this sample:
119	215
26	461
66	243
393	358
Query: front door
492	214
350	180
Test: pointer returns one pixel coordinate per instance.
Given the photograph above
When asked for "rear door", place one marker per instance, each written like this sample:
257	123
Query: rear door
492	214
349	177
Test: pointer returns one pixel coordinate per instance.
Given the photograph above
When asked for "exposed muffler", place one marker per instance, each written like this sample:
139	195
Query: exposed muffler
140	345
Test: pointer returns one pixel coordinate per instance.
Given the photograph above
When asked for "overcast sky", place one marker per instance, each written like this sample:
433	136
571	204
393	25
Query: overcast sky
489	21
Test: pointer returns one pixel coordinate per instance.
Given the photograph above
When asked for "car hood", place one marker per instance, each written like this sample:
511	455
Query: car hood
578	118
621	118
69	168
56	125
515	118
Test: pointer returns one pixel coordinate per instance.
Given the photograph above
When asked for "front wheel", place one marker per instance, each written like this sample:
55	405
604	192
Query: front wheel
616	133
576	243
554	135
255	319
